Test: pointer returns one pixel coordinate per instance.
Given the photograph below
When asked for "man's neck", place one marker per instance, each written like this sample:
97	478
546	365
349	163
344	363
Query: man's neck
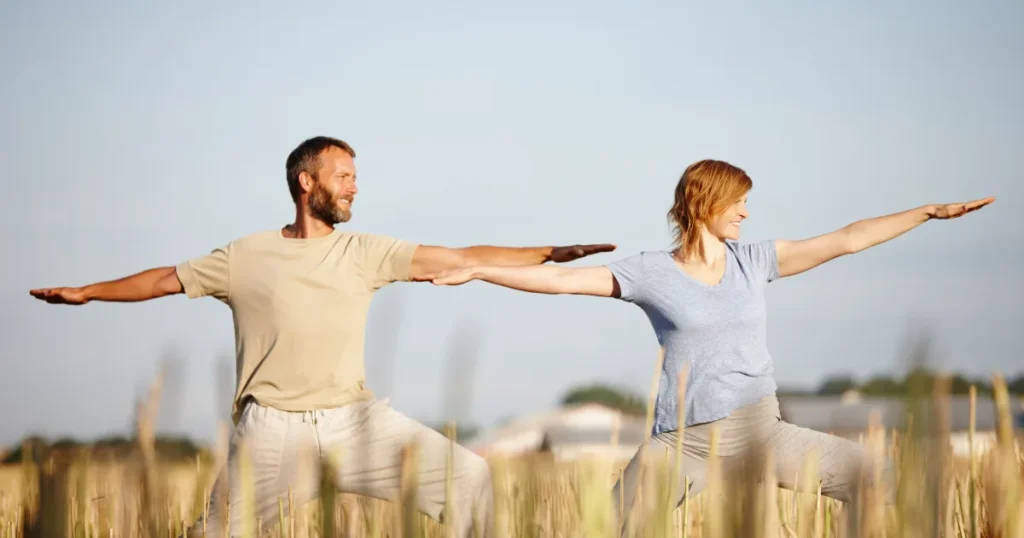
306	226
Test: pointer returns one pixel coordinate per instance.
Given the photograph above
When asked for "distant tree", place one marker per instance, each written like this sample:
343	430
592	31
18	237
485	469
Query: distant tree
175	448
38	449
882	386
463	432
919	381
31	448
793	392
959	384
608	396
1016	385
837	385
114	441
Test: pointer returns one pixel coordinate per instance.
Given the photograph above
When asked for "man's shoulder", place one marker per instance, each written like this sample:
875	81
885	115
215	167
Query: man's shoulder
362	239
337	243
347	236
256	238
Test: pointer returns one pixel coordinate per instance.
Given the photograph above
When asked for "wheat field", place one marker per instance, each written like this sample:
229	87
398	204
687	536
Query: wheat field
82	496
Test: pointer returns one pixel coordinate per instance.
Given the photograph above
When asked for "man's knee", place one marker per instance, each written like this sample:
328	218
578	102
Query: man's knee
478	473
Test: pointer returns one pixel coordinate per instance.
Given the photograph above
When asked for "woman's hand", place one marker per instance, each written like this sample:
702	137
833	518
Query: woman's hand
952	211
451	277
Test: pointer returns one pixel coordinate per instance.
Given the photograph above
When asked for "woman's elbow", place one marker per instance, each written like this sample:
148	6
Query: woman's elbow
848	242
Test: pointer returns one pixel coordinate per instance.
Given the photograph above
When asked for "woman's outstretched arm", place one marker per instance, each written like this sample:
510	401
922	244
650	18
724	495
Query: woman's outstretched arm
798	256
548	279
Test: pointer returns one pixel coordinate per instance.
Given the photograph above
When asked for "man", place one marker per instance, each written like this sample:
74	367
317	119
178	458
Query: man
300	297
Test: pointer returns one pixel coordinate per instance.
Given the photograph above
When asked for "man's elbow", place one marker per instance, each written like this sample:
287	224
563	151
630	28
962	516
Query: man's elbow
168	283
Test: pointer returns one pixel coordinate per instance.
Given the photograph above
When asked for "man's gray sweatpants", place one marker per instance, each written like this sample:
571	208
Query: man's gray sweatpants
758	426
364	441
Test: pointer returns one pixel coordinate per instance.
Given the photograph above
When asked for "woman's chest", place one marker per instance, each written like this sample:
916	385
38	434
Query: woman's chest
733	306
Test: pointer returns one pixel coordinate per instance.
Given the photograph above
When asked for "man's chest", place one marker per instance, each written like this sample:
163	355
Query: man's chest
291	288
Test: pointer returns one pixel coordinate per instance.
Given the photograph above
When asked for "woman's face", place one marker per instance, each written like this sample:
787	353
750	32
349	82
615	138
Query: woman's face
727	224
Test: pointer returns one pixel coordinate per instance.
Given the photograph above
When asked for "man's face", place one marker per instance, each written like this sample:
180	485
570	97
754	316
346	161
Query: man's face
334	188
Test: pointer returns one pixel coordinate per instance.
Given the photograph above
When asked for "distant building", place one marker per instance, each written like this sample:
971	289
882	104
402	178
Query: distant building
592	430
850	415
572	432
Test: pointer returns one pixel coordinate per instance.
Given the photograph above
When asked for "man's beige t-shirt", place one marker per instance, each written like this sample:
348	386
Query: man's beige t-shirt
300	309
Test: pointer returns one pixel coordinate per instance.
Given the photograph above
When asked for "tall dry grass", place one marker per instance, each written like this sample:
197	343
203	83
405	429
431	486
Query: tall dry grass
983	497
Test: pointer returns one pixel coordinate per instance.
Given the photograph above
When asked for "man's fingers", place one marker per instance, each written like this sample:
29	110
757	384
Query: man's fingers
586	250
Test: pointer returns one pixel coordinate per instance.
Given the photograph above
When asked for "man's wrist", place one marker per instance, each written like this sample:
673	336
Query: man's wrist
89	292
548	253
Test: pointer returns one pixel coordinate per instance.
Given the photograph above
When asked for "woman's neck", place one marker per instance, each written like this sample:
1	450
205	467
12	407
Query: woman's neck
713	251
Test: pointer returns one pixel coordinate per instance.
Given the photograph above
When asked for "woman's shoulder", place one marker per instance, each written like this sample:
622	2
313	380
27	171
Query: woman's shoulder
757	254
749	249
643	265
645	258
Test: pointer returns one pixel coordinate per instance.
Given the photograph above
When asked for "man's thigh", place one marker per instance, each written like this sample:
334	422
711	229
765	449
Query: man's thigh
365	442
271	454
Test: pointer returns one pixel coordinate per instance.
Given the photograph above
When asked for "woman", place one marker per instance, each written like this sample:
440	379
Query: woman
705	301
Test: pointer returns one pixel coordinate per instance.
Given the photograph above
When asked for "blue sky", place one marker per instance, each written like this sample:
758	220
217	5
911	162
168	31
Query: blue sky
135	136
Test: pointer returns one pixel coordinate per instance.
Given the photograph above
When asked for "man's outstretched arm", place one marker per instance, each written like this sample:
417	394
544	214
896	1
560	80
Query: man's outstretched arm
431	260
149	284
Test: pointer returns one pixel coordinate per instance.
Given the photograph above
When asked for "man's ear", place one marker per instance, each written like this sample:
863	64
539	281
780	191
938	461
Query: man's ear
306	182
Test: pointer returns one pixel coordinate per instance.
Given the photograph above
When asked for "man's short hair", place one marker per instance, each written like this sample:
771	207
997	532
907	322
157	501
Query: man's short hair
306	158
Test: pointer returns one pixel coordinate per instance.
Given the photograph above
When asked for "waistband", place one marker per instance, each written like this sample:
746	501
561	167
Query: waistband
252	408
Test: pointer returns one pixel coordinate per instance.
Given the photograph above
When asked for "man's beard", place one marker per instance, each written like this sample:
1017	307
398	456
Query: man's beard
324	206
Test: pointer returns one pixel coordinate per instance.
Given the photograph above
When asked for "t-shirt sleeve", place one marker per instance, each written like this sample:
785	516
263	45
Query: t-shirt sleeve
385	259
207	275
628	272
763	259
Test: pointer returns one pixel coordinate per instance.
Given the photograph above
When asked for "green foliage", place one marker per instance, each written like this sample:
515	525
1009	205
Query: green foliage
882	386
916	381
837	385
40	450
608	396
1016	386
463	432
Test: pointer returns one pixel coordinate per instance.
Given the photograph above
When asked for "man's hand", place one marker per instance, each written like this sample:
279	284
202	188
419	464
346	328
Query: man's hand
72	296
433	260
575	252
149	284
